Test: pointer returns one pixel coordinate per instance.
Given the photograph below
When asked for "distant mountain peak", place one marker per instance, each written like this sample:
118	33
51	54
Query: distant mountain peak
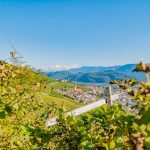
98	74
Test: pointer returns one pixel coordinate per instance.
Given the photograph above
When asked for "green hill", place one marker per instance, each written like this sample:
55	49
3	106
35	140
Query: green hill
26	101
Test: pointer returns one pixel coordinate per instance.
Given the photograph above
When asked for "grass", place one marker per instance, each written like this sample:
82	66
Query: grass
59	99
51	96
65	102
64	85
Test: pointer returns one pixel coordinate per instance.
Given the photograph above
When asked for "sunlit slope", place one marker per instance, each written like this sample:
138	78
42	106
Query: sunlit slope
59	99
30	77
48	92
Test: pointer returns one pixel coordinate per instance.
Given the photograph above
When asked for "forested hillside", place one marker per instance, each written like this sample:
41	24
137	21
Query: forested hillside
99	74
92	77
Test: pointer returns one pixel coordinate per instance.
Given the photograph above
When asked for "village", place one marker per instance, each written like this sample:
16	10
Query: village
91	94
95	93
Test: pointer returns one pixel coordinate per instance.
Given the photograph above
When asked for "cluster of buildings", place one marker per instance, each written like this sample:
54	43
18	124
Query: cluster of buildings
94	93
128	103
124	99
91	94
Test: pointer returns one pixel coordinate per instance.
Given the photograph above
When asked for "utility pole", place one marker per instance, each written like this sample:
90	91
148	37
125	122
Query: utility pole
15	56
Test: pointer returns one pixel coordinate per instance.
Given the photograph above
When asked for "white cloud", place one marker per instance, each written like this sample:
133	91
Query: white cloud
59	67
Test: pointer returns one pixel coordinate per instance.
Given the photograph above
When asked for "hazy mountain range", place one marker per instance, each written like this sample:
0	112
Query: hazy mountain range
98	74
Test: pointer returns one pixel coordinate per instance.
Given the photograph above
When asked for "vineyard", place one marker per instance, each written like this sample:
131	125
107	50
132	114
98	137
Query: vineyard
25	104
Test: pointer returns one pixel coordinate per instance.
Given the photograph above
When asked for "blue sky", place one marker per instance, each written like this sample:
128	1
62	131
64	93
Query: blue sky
70	33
